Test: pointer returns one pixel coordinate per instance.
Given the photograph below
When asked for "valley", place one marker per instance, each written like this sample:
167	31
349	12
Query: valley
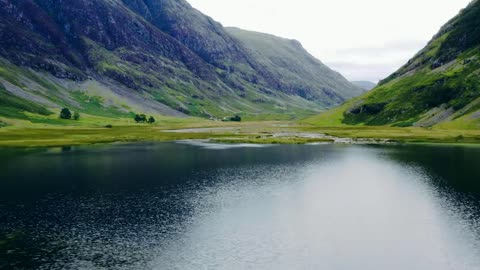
97	130
147	135
174	63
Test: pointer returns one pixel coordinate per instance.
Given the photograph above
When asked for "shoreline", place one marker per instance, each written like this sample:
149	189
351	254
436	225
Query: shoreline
246	132
226	140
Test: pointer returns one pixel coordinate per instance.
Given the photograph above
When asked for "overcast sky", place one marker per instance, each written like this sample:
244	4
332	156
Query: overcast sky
362	39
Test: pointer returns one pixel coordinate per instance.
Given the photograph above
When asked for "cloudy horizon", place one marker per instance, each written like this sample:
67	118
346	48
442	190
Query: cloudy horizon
369	40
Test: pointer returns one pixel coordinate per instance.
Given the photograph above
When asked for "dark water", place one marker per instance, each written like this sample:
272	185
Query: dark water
178	206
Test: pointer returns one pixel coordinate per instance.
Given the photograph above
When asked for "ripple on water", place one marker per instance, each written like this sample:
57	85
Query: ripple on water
206	144
346	207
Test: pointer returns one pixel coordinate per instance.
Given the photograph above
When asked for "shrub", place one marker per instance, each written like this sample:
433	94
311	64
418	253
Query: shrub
140	118
65	114
151	120
372	108
236	118
76	116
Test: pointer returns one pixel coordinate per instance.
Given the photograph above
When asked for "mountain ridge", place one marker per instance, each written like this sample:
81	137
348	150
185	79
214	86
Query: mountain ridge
262	47
161	52
366	85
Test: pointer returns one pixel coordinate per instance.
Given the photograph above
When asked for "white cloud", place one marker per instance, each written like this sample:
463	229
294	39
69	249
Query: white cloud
382	34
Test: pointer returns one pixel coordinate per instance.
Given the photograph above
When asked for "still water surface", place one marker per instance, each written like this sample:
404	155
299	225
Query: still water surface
183	206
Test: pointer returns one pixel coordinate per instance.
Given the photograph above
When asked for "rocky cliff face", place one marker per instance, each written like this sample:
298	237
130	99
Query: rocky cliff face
40	33
162	50
201	34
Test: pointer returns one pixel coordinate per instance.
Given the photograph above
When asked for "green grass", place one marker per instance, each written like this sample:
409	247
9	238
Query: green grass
8	73
92	130
95	105
41	137
13	106
79	136
38	130
465	122
330	118
402	135
408	98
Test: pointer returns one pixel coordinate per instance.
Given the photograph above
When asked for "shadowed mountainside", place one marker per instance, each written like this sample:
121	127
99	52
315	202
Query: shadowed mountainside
115	57
293	67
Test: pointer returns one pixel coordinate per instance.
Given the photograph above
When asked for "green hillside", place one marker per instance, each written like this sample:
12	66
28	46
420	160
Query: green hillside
163	57
440	86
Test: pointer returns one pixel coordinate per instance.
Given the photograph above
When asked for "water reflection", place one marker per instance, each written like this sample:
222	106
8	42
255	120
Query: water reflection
176	206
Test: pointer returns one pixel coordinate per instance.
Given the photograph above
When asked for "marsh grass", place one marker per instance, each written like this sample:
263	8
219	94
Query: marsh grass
403	135
41	135
49	130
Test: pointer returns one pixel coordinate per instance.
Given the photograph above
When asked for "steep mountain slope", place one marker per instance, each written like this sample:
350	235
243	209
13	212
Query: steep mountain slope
115	57
200	33
439	86
294	68
365	85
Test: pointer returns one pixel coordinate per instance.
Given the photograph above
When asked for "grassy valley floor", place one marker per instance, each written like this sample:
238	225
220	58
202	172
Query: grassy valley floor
91	130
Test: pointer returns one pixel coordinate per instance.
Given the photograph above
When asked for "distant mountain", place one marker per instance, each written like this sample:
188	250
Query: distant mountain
291	67
365	85
440	86
116	57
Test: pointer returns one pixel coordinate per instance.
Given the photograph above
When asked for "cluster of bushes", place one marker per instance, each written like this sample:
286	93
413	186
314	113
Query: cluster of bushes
371	108
65	113
235	118
142	118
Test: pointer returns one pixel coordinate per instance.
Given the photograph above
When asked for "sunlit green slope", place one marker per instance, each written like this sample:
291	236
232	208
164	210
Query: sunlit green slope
440	86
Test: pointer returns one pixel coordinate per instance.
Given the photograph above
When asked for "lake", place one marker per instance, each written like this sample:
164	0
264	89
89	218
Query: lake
192	205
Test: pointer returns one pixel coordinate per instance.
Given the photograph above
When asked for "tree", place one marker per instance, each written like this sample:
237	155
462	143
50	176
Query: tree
236	118
65	114
137	118
140	118
76	116
151	120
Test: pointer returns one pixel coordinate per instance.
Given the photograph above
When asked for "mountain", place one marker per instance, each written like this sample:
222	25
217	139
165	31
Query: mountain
292	67
116	57
439	86
365	85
